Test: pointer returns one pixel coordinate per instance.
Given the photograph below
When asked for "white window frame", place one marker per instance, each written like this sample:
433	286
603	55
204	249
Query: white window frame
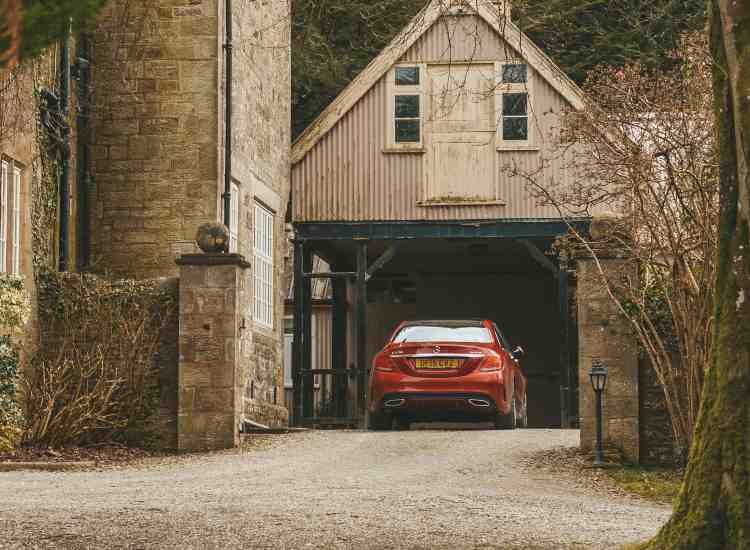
263	266
393	91
4	174
234	218
288	353
502	88
17	221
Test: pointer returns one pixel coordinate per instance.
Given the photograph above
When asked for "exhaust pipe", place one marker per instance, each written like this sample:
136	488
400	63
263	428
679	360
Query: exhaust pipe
393	403
479	403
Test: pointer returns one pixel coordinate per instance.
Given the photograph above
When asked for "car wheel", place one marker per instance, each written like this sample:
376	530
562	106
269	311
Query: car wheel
379	422
507	421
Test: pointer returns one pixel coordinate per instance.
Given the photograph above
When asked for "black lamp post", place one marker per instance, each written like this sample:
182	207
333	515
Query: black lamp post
598	377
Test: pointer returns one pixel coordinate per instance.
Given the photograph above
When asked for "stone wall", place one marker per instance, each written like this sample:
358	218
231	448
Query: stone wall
604	334
657	437
155	129
160	147
261	144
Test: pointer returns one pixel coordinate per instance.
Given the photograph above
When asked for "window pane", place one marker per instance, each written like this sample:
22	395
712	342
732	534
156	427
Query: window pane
516	128
407	76
443	334
514	104
407	106
514	74
407	131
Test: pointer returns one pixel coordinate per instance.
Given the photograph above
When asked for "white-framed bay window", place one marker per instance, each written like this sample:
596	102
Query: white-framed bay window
263	304
406	107
16	221
513	99
4	177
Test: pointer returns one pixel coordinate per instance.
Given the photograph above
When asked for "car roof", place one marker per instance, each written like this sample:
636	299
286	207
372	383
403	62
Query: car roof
448	323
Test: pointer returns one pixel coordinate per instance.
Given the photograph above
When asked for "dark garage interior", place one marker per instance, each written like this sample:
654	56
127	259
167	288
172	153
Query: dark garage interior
510	281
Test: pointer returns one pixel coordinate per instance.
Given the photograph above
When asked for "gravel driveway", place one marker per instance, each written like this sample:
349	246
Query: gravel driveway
426	489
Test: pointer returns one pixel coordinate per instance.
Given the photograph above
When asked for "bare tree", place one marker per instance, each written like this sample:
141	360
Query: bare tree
712	511
644	146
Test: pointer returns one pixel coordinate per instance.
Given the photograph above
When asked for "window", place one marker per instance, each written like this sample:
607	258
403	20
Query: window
405	97
263	267
515	117
444	331
17	221
408	125
514	100
234	218
4	174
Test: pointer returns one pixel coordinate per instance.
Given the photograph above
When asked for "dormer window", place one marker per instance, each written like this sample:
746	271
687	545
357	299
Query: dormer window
514	101
406	109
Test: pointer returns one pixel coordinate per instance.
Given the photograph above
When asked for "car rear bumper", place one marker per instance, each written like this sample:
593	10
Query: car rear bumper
438	406
477	395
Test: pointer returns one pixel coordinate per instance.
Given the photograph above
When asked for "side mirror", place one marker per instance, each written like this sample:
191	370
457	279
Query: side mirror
517	353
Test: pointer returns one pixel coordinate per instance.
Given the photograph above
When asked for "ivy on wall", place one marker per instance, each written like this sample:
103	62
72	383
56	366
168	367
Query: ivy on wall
97	377
14	313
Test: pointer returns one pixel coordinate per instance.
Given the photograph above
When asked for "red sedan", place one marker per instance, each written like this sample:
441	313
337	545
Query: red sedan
447	370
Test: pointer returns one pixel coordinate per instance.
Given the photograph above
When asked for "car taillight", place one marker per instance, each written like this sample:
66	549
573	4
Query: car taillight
491	364
383	364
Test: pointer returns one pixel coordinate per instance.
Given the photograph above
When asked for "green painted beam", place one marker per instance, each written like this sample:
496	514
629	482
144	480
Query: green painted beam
516	229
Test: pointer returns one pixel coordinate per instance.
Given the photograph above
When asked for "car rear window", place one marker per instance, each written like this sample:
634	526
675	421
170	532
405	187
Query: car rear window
438	333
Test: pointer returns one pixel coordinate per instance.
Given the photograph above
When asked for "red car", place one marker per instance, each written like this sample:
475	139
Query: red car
447	370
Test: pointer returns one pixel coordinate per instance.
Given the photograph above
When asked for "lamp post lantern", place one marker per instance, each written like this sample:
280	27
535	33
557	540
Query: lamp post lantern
598	377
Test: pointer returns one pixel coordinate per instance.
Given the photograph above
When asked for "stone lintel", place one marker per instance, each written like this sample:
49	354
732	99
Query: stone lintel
213	259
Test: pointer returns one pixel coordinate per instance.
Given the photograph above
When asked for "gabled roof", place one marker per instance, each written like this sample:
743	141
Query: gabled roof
424	20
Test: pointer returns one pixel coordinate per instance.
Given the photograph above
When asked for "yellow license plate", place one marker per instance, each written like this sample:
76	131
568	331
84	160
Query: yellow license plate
438	364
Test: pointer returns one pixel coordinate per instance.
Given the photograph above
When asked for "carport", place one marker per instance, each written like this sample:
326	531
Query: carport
383	273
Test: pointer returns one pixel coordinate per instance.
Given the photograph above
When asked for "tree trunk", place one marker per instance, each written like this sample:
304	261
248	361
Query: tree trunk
712	510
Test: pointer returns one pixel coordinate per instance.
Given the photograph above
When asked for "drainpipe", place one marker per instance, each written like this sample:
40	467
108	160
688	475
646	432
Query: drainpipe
84	222
64	184
227	196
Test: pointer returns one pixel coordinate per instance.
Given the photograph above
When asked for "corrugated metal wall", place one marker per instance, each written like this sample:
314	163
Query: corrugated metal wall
347	177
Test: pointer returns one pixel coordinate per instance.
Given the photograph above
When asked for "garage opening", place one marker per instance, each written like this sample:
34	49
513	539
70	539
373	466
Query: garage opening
511	281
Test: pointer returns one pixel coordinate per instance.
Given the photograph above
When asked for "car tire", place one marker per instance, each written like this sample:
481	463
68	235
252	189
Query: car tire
379	422
507	421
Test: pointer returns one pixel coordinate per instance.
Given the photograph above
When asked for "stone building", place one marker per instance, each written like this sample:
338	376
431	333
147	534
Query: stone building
147	120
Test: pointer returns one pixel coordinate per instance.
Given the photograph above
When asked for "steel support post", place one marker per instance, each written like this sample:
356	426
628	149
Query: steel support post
565	376
338	344
361	330
297	349
308	381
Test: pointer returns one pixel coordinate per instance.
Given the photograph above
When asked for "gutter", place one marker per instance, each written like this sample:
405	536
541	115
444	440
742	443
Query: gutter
83	75
228	46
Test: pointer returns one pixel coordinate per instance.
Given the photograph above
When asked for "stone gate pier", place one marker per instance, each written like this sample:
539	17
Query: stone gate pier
606	335
210	390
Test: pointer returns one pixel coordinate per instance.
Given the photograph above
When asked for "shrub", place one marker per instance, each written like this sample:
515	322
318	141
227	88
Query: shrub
96	378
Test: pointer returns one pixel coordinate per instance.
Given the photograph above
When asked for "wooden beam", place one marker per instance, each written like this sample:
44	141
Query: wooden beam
538	256
384	258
